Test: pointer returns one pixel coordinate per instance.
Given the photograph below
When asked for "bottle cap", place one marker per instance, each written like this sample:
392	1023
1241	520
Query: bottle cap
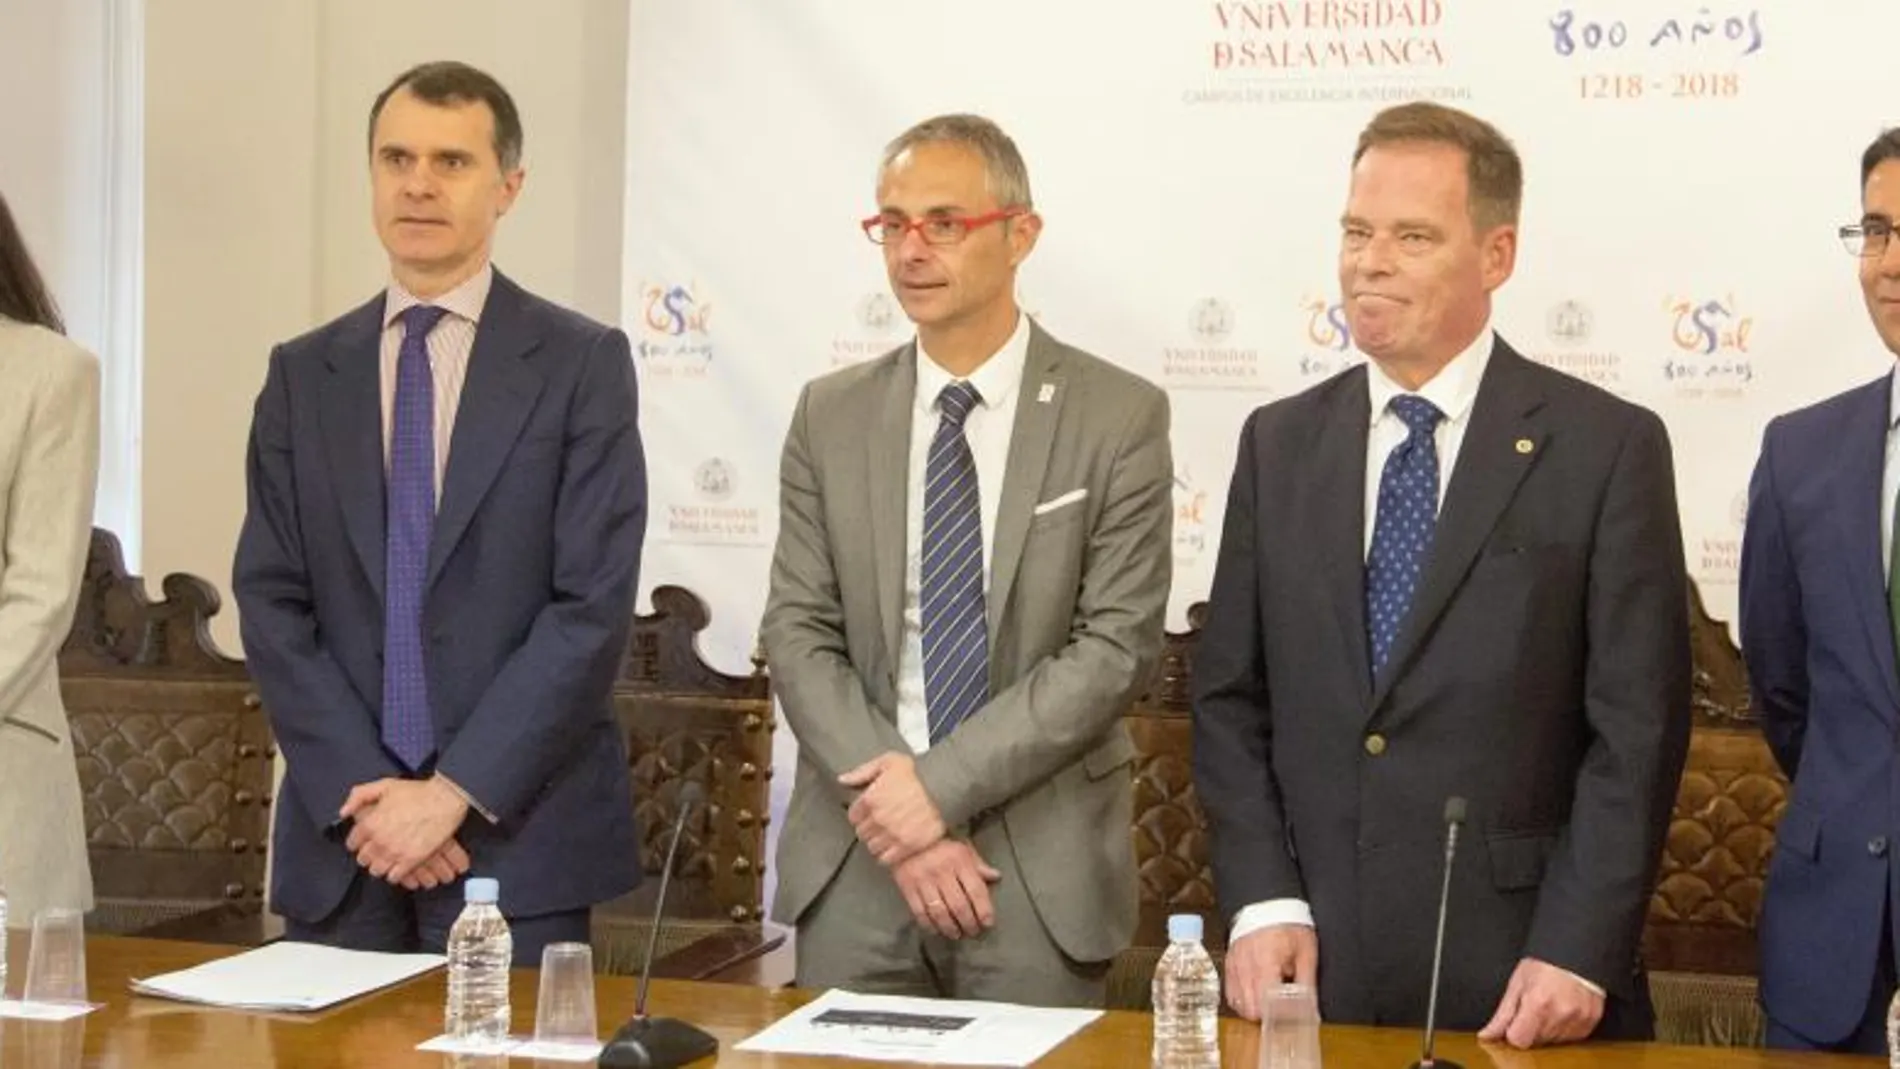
488	889
1182	927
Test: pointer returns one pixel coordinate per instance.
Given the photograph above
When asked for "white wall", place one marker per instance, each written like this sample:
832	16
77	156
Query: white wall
230	258
71	175
257	206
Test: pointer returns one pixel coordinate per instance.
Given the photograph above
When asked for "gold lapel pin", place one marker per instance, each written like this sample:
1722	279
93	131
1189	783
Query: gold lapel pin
1524	445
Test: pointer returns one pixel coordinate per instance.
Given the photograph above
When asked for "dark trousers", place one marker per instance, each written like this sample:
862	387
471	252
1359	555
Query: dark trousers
378	915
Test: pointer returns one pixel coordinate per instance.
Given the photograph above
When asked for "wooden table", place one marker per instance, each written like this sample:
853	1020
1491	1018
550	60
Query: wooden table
734	954
382	1030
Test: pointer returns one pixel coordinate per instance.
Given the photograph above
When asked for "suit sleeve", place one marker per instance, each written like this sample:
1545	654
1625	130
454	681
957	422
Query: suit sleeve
48	523
1774	634
1233	734
327	731
803	629
1063	706
555	685
1595	894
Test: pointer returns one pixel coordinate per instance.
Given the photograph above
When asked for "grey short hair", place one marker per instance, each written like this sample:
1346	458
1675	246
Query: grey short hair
1007	174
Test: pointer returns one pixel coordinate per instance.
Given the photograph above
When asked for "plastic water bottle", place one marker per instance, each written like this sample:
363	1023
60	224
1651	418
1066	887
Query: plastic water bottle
1893	1032
480	953
1187	1000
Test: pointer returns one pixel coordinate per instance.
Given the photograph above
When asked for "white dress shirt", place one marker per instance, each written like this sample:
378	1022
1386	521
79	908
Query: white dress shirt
987	428
1890	476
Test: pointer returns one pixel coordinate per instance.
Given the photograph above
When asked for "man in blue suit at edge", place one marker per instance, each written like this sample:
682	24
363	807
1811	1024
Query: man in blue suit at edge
447	500
1820	613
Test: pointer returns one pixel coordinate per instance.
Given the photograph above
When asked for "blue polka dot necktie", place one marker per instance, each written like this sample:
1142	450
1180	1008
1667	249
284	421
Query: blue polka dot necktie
956	635
1402	532
408	729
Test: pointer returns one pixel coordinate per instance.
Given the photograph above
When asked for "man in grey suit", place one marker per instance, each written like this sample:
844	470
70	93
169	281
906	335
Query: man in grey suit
968	592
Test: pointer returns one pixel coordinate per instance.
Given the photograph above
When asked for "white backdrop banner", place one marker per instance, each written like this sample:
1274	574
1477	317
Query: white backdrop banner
1686	167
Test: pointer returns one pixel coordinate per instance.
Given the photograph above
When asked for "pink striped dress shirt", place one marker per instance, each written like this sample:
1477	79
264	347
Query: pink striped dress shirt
449	346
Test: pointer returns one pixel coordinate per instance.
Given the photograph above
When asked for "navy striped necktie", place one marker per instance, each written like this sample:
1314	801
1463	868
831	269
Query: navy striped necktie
956	636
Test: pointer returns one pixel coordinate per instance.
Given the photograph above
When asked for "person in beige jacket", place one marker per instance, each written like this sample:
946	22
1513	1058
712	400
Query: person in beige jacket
49	459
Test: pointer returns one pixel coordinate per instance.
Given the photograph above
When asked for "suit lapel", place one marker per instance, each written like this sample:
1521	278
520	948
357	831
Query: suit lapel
1499	449
1857	510
350	415
497	396
889	465
1039	400
1340	502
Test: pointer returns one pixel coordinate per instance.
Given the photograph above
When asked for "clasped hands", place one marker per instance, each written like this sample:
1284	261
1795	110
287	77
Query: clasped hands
944	881
404	831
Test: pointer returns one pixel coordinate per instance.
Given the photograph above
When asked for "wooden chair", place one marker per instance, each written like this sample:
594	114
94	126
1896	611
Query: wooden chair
1700	943
687	721
1170	830
173	750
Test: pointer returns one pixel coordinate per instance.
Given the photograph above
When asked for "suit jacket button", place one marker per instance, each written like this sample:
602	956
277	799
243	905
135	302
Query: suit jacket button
1877	846
1375	744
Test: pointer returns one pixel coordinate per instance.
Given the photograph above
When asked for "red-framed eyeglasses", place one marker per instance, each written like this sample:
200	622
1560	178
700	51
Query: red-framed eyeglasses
889	228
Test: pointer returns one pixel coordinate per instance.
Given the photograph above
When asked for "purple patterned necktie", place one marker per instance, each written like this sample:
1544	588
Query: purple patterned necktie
408	729
1402	531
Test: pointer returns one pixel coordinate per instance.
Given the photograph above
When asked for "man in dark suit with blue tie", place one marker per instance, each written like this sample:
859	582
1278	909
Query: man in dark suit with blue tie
1449	572
447	500
1818	612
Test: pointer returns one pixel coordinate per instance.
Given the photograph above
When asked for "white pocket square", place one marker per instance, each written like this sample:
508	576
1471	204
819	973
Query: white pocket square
1055	503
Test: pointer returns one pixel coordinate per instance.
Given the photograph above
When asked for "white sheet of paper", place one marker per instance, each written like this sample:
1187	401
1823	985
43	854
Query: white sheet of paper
586	1053
288	976
516	1047
840	1024
45	1011
450	1045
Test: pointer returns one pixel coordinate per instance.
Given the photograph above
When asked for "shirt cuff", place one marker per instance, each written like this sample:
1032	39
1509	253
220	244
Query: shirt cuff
1266	914
469	798
1592	988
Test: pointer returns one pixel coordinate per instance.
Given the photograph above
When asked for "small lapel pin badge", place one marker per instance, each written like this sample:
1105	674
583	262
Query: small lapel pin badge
1525	445
1046	394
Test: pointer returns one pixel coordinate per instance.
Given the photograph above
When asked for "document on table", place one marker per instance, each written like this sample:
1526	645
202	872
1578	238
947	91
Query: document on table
45	1011
521	1047
288	976
840	1024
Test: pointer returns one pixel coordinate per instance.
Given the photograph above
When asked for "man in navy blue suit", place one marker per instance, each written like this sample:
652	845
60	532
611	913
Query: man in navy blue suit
447	500
1820	614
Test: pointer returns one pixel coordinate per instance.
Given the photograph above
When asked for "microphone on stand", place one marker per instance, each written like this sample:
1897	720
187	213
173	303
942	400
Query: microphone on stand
1454	818
660	1042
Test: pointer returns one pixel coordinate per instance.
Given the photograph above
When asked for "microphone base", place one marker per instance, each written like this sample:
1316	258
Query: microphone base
1435	1063
657	1043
